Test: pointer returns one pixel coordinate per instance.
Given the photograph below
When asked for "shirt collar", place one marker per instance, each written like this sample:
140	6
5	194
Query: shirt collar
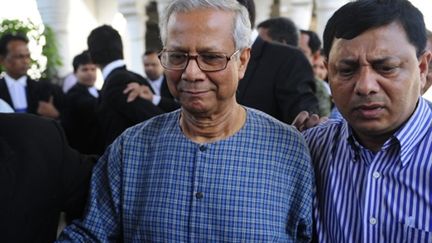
11	81
414	130
111	66
93	91
408	136
158	80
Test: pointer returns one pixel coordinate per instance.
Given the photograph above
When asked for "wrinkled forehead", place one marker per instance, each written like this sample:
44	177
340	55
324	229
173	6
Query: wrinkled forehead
206	27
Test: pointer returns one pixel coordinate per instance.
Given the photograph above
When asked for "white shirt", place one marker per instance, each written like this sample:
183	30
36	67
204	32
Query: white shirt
17	91
156	85
5	107
111	66
93	91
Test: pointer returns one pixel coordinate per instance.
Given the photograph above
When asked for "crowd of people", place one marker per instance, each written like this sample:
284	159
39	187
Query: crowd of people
226	139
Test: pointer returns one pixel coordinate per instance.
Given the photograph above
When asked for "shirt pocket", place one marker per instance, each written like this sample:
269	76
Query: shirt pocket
413	233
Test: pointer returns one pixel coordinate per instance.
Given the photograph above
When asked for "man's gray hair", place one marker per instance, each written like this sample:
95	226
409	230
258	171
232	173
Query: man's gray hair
242	26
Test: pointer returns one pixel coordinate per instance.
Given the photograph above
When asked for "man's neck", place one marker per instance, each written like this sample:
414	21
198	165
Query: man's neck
156	79
213	128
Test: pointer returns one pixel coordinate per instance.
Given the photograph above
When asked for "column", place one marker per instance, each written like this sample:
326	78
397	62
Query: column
324	10
262	9
133	11
299	11
55	14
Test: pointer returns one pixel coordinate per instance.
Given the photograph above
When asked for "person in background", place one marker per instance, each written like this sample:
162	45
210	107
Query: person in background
115	112
373	168
278	80
212	171
22	93
40	176
320	69
154	72
280	30
310	44
68	82
79	119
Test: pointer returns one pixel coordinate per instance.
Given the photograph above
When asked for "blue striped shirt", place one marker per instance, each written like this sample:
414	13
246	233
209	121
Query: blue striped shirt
374	197
155	185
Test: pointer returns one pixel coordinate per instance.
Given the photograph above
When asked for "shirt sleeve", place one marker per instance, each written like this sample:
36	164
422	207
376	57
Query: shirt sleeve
299	223
101	221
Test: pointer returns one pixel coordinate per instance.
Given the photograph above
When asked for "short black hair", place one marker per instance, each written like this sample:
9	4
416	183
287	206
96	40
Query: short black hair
281	29
356	17
81	59
250	6
6	38
105	45
314	40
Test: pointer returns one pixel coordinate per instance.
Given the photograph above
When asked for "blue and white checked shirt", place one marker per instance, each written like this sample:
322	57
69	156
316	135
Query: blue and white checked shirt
368	197
155	185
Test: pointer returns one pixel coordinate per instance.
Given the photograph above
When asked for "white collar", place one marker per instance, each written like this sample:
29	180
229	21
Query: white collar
93	91
11	81
158	80
111	66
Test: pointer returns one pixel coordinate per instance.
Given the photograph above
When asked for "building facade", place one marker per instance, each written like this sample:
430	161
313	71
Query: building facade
72	21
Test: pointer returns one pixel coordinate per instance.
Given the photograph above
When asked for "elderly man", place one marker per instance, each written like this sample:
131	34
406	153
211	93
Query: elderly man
374	167
212	171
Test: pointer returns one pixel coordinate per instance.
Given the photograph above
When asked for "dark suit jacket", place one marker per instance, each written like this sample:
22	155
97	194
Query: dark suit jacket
114	113
167	102
279	81
80	121
39	177
36	91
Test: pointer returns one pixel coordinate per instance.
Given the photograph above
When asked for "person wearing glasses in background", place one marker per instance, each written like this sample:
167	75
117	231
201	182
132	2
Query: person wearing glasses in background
212	171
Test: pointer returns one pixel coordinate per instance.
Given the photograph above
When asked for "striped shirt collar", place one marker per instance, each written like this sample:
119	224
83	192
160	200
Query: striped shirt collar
407	136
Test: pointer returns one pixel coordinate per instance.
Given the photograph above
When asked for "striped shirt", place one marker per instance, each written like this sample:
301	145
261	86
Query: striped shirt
155	185
374	197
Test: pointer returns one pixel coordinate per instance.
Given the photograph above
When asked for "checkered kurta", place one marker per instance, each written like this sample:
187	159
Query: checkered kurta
155	185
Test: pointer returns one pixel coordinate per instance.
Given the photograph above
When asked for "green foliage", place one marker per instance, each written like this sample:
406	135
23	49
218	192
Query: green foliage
45	58
50	51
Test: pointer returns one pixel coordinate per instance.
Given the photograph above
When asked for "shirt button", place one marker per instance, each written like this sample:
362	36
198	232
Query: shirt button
202	148
199	195
376	175
372	221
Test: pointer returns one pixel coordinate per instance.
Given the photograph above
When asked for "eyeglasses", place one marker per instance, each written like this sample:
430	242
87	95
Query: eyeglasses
207	62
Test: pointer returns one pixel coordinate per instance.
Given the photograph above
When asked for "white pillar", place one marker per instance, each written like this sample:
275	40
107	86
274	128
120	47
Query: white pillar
133	11
54	14
299	11
262	10
324	10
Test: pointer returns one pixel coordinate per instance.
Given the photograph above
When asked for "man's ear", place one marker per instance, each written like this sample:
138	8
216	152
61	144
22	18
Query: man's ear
244	60
424	60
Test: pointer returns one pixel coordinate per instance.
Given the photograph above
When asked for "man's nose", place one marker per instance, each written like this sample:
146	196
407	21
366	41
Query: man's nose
192	71
367	81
